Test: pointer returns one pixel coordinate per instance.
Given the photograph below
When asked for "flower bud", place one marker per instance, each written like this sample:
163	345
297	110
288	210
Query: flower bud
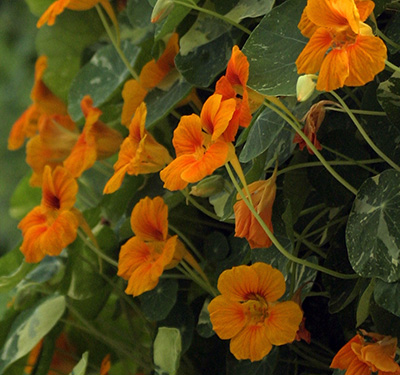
208	186
305	86
161	10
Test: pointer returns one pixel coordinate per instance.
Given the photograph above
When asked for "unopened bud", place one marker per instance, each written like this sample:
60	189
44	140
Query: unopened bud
161	10
208	186
305	86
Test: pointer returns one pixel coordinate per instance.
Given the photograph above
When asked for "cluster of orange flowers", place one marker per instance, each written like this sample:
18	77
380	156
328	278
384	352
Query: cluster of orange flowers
248	311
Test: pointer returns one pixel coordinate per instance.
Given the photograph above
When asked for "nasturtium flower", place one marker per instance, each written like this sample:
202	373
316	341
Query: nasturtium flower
140	153
262	194
45	103
56	137
368	353
196	155
153	74
144	257
52	225
97	141
105	365
58	7
248	311
341	47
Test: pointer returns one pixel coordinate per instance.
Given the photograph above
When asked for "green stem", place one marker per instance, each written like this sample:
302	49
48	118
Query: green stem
187	242
334	162
199	206
296	127
392	66
277	244
187	271
310	245
312	209
96	250
115	43
330	224
214	14
364	134
358	111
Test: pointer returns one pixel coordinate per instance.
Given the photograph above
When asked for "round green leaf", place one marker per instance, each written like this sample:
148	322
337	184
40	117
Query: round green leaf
167	350
388	94
373	232
157	303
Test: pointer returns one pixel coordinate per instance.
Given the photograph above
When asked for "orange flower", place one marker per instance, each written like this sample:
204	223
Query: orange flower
196	155
153	74
144	257
367	353
58	7
105	365
313	120
248	312
140	153
44	103
355	55
51	146
50	227
262	195
96	142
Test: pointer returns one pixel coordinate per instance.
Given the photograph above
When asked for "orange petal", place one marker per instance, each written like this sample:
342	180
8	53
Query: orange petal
188	136
25	126
227	317
107	140
310	59
283	322
357	367
366	59
237	71
59	189
133	94
115	182
171	174
271	282
365	8
216	114
307	28
334	70
239	283
50	15
149	219
334	13
213	158
345	355
380	355
133	253
251	343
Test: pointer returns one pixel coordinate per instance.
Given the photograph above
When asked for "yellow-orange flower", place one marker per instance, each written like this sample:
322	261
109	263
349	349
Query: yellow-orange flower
96	142
368	353
58	7
248	312
144	257
153	74
354	55
44	103
140	153
52	225
262	195
105	365
196	155
51	146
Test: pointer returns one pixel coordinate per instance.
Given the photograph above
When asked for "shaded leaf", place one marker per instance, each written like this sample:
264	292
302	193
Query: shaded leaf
372	233
24	198
157	303
80	368
249	9
388	95
63	44
101	77
273	47
387	295
204	325
29	328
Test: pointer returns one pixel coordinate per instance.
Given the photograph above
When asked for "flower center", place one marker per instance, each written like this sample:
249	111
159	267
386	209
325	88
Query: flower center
257	310
343	37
